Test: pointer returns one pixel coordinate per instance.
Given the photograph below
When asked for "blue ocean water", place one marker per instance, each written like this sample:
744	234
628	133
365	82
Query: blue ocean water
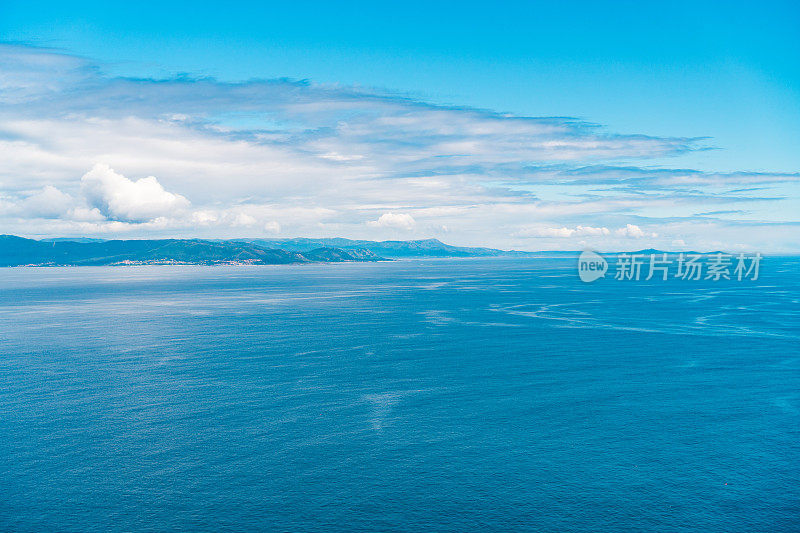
440	395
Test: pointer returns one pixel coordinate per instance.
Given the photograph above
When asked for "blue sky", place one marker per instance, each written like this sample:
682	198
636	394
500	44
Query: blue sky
724	74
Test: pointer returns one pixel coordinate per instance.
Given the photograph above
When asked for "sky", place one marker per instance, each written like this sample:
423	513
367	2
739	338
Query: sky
525	125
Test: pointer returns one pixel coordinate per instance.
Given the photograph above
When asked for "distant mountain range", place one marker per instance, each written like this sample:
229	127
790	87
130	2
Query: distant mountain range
17	251
390	249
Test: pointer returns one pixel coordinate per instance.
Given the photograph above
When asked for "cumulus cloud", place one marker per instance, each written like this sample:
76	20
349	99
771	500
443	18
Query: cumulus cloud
120	198
49	202
272	227
632	231
243	219
402	221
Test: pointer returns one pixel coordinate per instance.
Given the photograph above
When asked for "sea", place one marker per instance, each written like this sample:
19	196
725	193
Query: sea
438	395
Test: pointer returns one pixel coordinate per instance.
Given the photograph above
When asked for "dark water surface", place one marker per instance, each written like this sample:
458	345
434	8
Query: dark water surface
422	395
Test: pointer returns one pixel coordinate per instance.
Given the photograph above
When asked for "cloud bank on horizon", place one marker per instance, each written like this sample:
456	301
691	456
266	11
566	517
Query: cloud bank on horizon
86	154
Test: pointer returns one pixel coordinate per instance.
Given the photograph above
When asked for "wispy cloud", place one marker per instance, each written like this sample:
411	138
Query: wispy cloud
87	153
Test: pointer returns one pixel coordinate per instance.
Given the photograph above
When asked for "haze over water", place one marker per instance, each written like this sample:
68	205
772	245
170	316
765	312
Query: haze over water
445	395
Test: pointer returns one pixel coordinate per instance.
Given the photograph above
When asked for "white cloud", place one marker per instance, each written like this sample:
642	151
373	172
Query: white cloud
295	158
629	231
204	218
243	219
562	232
85	214
120	198
49	202
633	231
402	221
